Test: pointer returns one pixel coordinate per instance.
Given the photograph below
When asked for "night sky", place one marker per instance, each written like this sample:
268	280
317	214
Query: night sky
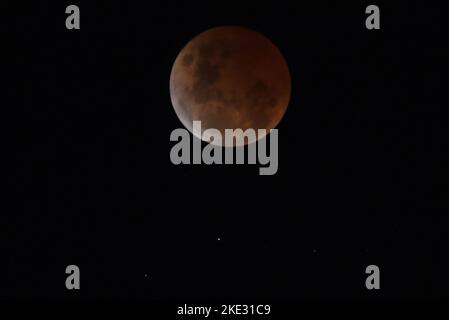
363	172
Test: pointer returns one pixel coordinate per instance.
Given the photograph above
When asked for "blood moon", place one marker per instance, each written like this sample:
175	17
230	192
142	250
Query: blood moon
230	78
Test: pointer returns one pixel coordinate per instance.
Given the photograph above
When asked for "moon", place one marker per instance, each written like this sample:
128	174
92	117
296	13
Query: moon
230	78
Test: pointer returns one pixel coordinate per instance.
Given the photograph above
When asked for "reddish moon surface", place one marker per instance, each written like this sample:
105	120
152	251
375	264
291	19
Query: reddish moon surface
230	78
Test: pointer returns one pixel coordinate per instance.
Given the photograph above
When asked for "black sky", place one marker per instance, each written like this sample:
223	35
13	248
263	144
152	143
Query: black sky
363	172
